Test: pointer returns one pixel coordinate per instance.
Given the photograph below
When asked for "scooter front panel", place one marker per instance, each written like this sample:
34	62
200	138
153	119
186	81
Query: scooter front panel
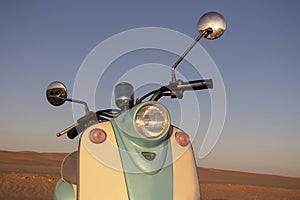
101	173
100	168
185	177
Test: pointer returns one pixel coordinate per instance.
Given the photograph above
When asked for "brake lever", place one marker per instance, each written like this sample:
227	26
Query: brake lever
66	130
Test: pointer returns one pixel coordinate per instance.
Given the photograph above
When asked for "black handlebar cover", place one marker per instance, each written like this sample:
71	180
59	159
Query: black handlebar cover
196	85
72	133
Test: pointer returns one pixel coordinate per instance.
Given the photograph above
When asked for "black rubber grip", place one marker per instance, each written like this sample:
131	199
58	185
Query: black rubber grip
196	85
72	133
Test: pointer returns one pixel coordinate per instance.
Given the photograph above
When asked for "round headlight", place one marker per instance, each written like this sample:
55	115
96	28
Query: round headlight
151	121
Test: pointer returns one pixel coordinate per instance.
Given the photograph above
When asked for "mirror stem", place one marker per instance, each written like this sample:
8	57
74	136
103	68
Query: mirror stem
80	102
73	100
207	31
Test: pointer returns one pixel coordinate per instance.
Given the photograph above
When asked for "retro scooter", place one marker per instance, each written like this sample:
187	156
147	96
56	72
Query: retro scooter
133	152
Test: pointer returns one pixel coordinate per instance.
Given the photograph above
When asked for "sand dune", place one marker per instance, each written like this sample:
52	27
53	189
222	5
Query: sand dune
27	186
30	175
30	162
217	176
247	192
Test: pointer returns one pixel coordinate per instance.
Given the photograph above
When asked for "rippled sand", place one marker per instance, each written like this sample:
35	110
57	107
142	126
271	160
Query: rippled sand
32	176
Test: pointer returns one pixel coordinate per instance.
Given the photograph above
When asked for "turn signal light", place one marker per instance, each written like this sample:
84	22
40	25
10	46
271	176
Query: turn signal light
97	135
182	138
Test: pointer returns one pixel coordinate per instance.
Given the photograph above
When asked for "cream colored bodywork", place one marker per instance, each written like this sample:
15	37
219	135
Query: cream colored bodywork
185	177
75	190
98	180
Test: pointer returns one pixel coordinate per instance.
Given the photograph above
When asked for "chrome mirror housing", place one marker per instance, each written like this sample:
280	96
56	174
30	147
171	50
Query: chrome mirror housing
212	22
56	93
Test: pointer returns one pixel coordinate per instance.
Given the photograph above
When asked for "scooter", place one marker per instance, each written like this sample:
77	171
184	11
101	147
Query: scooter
133	152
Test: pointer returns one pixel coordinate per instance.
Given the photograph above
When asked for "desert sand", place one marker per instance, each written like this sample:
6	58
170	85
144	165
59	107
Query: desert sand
30	175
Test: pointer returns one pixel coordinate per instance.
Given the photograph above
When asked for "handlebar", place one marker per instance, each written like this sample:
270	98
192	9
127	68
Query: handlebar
174	89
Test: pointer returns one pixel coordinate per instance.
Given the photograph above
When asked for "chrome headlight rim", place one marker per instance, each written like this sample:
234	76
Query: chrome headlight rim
153	105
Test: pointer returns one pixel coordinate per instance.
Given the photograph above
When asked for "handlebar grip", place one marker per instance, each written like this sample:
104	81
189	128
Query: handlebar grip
196	85
72	133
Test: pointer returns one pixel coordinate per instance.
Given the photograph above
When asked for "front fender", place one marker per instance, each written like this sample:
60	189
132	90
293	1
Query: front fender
64	191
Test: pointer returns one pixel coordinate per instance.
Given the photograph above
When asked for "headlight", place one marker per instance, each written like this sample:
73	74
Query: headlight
152	121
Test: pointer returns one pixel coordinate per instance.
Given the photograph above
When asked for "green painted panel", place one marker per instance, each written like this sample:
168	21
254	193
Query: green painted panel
145	179
64	191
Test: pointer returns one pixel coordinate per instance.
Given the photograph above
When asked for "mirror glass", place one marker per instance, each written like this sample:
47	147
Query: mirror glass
56	93
215	22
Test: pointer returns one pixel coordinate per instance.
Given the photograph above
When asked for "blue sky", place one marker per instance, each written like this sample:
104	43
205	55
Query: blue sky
258	58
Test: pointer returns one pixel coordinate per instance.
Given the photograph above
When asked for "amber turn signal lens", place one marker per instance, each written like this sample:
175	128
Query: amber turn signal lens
97	135
183	139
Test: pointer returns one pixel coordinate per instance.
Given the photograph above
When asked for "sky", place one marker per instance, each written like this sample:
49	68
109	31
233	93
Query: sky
258	59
